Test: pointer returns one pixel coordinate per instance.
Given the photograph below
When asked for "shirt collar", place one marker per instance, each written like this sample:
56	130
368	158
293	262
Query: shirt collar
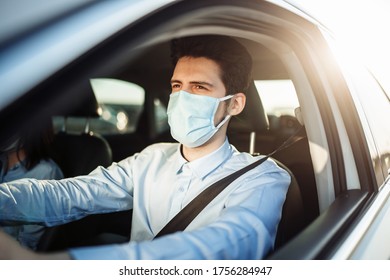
201	167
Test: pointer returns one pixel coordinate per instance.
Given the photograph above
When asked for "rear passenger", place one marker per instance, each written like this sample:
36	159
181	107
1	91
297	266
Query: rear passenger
26	155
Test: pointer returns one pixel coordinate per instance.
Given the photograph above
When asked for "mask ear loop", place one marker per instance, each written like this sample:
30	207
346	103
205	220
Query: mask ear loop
227	116
226	97
223	121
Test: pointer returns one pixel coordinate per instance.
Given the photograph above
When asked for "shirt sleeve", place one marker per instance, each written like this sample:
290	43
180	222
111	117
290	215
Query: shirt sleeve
103	190
246	229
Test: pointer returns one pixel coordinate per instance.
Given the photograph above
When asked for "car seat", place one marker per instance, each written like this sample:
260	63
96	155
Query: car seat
80	153
251	129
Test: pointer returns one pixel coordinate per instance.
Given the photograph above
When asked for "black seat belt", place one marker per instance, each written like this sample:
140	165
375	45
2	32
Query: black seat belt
192	209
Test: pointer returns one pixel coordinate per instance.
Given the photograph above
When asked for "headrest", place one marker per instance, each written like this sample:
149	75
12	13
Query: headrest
87	108
79	154
253	117
84	106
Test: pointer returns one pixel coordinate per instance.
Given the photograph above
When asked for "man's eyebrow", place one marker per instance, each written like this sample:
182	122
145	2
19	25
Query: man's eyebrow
175	81
201	83
193	83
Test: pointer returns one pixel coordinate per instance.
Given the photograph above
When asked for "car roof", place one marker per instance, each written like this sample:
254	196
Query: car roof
21	16
57	31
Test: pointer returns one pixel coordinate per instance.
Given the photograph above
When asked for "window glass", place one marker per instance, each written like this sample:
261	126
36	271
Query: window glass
279	100
376	107
120	106
278	96
160	116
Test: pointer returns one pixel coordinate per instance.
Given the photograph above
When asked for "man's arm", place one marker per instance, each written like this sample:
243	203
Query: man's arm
51	202
246	229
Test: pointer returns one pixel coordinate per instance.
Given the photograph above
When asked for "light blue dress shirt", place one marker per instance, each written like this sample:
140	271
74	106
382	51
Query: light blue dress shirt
157	183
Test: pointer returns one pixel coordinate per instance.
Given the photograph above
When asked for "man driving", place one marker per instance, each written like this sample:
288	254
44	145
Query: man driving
208	84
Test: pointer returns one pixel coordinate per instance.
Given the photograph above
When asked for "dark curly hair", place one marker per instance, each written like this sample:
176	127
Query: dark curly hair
233	59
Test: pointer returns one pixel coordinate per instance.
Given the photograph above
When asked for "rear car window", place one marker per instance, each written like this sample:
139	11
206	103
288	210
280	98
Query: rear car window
120	106
278	96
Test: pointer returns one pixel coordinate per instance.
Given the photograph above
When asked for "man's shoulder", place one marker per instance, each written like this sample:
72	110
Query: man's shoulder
242	159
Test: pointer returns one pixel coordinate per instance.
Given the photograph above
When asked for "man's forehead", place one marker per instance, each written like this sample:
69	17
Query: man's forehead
197	70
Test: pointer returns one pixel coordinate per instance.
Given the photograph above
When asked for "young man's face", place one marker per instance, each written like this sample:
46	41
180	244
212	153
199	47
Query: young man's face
200	76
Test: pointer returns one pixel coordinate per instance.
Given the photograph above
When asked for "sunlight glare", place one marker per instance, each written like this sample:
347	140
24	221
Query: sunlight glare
360	27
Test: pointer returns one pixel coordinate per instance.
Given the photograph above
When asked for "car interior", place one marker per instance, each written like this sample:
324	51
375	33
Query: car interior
254	131
92	129
106	88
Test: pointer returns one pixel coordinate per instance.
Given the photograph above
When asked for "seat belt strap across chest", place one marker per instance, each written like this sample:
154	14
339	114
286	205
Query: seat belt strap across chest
192	209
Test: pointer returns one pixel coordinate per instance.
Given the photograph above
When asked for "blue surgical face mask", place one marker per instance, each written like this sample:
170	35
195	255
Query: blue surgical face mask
191	117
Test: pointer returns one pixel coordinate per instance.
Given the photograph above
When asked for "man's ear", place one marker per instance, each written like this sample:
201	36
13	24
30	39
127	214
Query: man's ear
237	104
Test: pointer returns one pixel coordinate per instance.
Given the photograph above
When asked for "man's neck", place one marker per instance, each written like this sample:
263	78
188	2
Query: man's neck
191	154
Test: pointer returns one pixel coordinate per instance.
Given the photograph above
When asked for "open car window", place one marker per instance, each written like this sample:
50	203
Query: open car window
120	106
278	96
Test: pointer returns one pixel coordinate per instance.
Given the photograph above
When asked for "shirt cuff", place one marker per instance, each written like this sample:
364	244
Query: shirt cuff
105	252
